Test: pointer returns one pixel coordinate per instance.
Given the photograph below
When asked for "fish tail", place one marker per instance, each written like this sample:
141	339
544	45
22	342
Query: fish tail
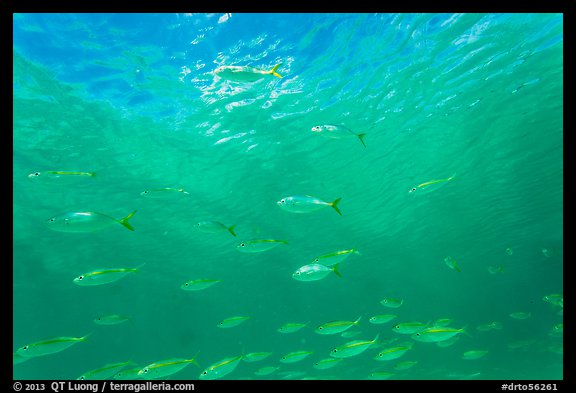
361	137
336	271
456	267
85	337
335	205
91	174
358	320
357	252
231	230
194	361
137	268
125	222
273	71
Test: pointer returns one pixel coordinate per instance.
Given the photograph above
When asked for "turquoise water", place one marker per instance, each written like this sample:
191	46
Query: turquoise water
134	99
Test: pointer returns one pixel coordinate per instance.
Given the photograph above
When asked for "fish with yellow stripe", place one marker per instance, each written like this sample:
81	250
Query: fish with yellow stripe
166	367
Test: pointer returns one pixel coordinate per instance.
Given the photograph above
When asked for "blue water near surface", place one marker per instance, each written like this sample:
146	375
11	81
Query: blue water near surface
134	98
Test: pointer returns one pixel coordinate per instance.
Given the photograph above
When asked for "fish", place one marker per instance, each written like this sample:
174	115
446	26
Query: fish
166	367
489	326
405	365
353	348
475	354
221	368
335	257
557	330
436	334
60	177
232	321
338	132
520	315
392	353
314	272
495	269
214	227
430	185
306	204
267	370
442	322
380	375
255	356
49	346
291	327
245	73
391	302
127	374
448	343
336	327
555	299
165	194
295	356
104	276
199	284
112	319
104	372
327	363
408	327
259	245
451	263
509	251
383	318
82	222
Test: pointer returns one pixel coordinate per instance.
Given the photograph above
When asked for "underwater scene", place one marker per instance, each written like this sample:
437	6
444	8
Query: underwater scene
287	196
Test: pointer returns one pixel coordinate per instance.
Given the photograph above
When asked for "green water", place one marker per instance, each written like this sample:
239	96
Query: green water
478	97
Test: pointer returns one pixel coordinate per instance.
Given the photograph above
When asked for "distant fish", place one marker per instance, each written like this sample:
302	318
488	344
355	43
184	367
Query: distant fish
495	269
306	204
291	327
451	263
49	346
166	367
214	227
509	251
335	327
405	365
232	321
104	372
245	73
335	257
255	356
472	355
382	318
86	222
380	375
295	356
338	132
221	368
430	185
166	194
267	370
391	302
104	276
442	322
489	326
327	363
60	177
555	299
112	319
199	284
259	245
314	272
520	315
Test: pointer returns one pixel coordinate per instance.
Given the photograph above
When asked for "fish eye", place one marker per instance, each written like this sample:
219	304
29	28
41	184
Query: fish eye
242	245
316	260
186	284
81	278
205	373
25	347
320	328
82	378
52	220
145	370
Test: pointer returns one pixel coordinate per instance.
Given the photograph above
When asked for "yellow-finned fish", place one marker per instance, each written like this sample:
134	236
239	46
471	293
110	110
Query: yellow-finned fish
166	367
436	334
291	327
451	263
338	132
112	319
60	177
259	245
199	284
214	227
306	204
353	348
165	194
232	321
335	257
335	327
49	346
245	73
81	222
104	276
104	372
430	185
221	368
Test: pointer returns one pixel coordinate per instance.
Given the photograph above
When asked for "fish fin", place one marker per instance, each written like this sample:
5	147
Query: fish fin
361	137
357	252
456	267
193	360
335	205
336	271
125	222
86	336
273	71
358	320
92	174
231	230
